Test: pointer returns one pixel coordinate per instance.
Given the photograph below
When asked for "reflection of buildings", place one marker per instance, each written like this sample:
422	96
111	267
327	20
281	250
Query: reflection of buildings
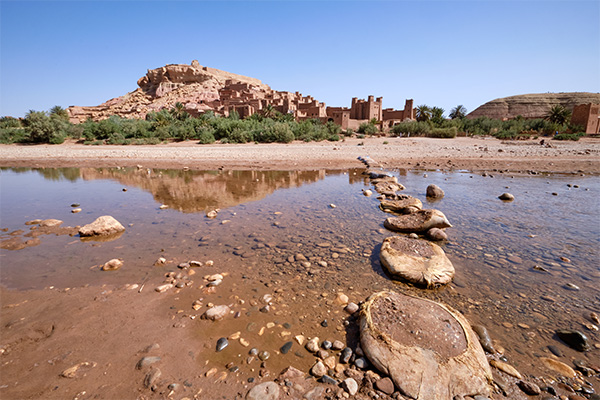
199	191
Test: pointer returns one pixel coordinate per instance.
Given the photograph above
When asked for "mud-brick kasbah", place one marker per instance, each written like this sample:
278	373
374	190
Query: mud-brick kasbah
201	89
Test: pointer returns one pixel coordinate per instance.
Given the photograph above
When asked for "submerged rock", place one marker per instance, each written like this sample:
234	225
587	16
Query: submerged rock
427	349
112	265
105	225
506	197
436	234
403	205
416	261
388	187
434	192
575	339
419	221
50	222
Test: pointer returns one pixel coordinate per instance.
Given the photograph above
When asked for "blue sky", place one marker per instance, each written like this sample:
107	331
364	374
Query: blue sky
440	53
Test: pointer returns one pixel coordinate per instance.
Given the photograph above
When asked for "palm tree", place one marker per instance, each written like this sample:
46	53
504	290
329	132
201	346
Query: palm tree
423	113
59	112
178	112
458	112
437	115
559	115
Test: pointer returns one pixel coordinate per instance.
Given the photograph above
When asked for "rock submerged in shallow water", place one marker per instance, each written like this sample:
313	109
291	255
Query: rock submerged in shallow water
404	204
105	225
436	234
575	339
416	261
434	192
112	265
427	349
50	223
419	221
388	187
506	197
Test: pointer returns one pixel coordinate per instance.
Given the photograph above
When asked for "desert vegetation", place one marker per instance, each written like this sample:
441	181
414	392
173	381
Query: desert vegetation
269	126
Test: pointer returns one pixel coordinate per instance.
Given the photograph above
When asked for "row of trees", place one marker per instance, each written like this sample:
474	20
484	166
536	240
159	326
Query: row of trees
174	124
269	126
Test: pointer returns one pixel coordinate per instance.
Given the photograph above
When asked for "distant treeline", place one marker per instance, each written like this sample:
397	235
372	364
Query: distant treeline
268	127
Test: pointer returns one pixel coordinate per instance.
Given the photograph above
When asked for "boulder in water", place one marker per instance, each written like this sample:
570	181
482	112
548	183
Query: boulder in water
427	349
403	204
419	221
105	225
417	261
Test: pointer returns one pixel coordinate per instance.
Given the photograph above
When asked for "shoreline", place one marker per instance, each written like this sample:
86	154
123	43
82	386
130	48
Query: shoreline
472	154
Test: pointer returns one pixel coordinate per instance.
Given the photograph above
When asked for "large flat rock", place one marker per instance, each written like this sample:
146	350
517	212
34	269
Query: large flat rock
415	260
419	221
426	348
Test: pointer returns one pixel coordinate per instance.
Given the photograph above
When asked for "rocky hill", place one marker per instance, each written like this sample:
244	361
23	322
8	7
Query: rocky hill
196	86
532	105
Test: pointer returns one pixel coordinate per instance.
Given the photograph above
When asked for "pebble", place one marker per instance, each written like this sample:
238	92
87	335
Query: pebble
216	313
76	210
346	355
506	368
113	265
152	377
330	362
575	339
506	197
342	299
264	355
164	288
222	343
555	350
75	205
328	380
594	317
361	363
529	388
326	344
75	370
324	323
558	366
367	192
337	345
332	205
145	361
385	385
350	386
351	308
299	339
286	347
264	391
318	369
571	286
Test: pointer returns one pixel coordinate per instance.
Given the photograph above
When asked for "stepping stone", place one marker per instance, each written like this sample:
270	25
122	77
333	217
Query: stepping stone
419	221
427	349
404	204
417	261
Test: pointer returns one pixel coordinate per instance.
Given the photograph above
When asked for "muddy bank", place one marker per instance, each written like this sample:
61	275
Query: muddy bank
475	154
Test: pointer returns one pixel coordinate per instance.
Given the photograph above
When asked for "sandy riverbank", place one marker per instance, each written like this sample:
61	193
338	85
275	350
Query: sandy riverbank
476	154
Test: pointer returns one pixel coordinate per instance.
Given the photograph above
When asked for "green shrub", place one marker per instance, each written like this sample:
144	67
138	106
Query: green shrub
205	135
10	122
12	135
42	128
414	128
117	138
368	128
444	133
569	136
277	132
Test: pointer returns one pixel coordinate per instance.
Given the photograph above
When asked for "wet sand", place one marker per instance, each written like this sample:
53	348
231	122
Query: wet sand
111	327
475	154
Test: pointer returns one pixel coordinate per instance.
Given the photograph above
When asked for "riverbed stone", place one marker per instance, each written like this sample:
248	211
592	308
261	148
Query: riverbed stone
50	223
264	391
427	349
418	221
102	226
216	313
436	234
402	204
434	192
417	261
350	386
113	264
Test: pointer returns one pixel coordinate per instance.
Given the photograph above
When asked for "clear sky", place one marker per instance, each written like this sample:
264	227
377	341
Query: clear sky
440	53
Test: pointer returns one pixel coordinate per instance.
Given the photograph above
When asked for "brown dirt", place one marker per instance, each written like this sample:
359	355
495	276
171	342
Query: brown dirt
475	154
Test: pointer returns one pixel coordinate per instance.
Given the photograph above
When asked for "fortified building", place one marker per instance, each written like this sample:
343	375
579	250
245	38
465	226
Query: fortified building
201	89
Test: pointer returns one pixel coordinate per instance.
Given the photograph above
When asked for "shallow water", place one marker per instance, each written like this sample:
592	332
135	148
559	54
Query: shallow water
267	217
